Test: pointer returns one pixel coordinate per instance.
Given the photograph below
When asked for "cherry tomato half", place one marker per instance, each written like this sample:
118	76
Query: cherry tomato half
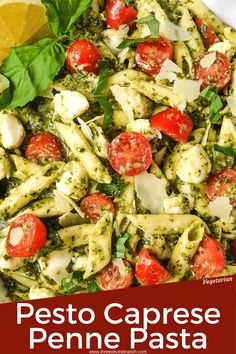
148	270
82	55
44	147
26	236
151	55
222	184
173	123
94	205
217	74
117	14
208	35
112	278
209	260
130	154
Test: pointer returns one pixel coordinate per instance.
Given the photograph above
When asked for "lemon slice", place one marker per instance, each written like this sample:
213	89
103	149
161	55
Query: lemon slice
22	22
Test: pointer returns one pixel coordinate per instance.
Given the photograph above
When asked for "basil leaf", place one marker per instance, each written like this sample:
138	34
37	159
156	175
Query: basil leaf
228	151
209	92
129	42
215	103
92	286
98	93
62	15
67	284
153	24
112	189
103	77
29	70
120	246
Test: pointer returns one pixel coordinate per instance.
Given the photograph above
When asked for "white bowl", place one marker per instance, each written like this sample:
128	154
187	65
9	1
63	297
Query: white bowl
224	9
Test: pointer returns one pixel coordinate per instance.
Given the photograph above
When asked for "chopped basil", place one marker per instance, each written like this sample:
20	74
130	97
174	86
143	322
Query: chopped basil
75	282
215	103
98	93
153	24
129	42
112	189
228	151
120	246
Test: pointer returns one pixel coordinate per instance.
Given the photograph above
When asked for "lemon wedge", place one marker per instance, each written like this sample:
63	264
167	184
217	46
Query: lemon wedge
22	22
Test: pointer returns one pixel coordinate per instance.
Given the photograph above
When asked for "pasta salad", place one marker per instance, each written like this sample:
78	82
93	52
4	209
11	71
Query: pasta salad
118	146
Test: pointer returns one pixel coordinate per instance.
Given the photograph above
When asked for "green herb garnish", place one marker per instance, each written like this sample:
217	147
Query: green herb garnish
215	103
98	93
154	26
228	151
30	69
120	246
112	189
62	15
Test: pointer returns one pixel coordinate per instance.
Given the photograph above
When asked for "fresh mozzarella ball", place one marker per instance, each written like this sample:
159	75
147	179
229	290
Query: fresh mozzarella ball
178	204
193	165
39	292
74	181
4	164
70	104
12	131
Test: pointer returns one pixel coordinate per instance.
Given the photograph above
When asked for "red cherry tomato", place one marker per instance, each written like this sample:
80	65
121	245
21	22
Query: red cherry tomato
130	154
117	14
148	270
173	123
111	277
26	236
208	35
94	205
44	147
222	184
83	55
209	260
218	73
151	55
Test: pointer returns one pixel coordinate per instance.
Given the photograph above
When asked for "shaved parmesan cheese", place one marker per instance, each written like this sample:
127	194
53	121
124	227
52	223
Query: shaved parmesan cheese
174	32
120	95
120	264
16	235
54	266
168	71
232	104
85	129
188	89
72	203
208	60
113	38
220	207
206	134
151	191
182	105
